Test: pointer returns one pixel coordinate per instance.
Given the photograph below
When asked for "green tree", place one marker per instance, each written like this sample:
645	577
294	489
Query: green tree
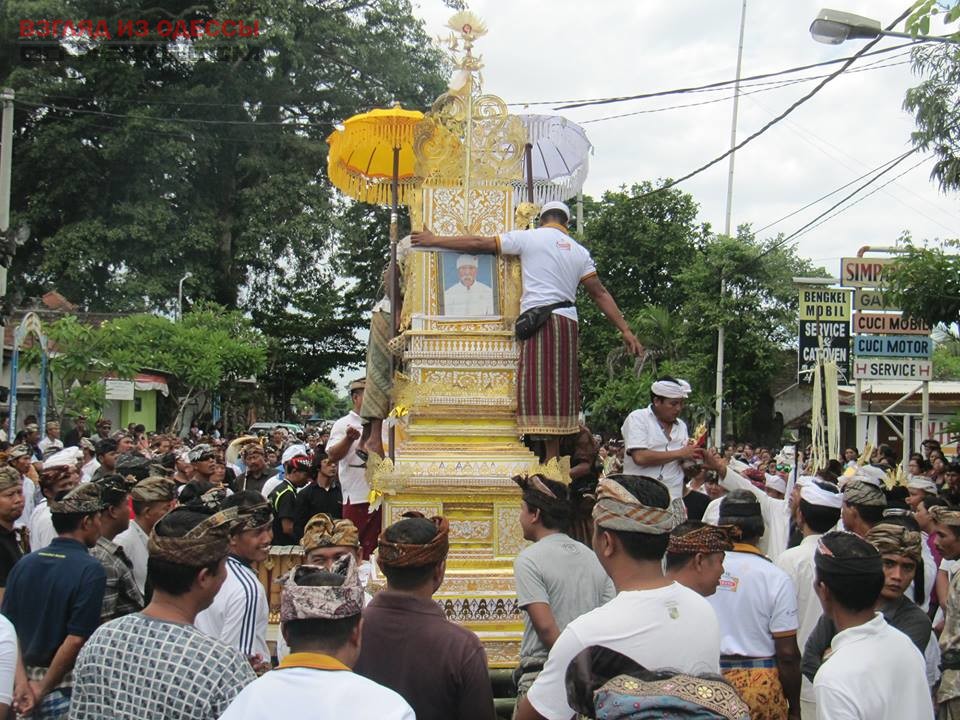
181	162
925	281
319	399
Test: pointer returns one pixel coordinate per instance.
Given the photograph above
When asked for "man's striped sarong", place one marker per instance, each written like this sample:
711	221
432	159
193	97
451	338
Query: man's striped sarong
548	380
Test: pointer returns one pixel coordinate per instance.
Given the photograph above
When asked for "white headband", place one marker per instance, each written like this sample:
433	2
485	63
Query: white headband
918	482
668	389
816	495
870	475
775	482
805	480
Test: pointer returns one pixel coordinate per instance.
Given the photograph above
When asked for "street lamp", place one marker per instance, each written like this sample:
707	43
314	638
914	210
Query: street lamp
833	27
186	276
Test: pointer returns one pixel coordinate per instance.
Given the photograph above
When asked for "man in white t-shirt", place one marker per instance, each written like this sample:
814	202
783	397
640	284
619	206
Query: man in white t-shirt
756	605
51	442
152	498
553	266
320	619
655	438
817	512
654	621
873	670
240	612
342	448
468	296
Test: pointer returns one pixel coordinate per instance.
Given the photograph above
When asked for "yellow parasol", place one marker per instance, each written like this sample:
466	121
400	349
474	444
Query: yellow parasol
373	151
371	159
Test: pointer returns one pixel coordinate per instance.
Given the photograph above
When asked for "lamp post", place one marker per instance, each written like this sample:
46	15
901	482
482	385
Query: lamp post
833	27
186	276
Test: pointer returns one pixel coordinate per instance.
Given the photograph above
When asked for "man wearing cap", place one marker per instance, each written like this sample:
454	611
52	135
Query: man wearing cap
873	670
203	461
122	595
283	500
817	512
55	482
54	597
51	442
159	665
324	542
558	579
257	472
653	620
695	555
239	613
322	495
553	266
20	458
342	448
11	507
468	296
320	618
656	439
152	497
863	505
756	605
408	644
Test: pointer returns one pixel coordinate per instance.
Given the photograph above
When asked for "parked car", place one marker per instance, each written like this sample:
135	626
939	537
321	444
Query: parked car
265	428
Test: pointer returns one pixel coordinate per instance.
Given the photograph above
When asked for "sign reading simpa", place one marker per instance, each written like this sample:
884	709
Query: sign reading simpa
892	346
863	272
887	324
825	305
891	369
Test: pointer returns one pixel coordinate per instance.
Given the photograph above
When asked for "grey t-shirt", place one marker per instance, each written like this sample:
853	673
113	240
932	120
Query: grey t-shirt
564	574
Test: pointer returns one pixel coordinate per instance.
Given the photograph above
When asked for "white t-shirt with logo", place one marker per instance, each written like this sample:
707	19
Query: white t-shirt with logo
668	628
552	264
754	601
353	478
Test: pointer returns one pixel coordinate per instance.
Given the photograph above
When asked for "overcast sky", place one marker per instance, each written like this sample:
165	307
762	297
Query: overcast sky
570	49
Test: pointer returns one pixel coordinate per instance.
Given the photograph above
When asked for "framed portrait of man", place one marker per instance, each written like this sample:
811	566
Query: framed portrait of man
469	285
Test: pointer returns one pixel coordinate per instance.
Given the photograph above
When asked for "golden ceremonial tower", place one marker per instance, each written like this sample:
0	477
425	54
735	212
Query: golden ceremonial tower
457	445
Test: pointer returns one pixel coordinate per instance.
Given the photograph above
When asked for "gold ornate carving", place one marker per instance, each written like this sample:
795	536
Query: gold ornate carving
471	529
509	535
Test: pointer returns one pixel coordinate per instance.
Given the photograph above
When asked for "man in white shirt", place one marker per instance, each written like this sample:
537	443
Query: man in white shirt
240	612
654	621
320	619
817	513
90	464
342	449
51	442
695	555
655	438
553	266
756	605
558	579
468	296
874	670
153	497
54	482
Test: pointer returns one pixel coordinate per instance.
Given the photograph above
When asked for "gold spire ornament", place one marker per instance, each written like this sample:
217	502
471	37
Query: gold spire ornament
555	469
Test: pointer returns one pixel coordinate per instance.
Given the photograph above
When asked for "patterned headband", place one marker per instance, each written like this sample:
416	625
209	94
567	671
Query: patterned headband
322	602
202	545
617	509
401	555
890	539
706	539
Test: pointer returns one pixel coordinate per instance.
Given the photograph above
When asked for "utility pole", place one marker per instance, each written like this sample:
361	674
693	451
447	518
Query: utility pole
6	166
721	334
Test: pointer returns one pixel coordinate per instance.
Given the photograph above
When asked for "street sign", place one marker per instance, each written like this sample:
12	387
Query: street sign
892	346
836	346
863	272
119	389
887	324
824	305
866	299
890	369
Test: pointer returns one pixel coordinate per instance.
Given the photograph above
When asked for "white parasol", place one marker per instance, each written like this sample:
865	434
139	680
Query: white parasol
558	154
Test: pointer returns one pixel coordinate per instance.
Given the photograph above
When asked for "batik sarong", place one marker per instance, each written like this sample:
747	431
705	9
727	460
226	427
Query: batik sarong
376	395
548	380
757	681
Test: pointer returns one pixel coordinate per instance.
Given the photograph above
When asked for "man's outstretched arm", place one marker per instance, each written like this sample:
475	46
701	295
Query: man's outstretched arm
608	306
464	243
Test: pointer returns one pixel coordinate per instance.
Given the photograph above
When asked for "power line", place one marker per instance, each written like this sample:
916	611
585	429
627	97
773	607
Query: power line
824	197
781	116
861	199
777	85
608	100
